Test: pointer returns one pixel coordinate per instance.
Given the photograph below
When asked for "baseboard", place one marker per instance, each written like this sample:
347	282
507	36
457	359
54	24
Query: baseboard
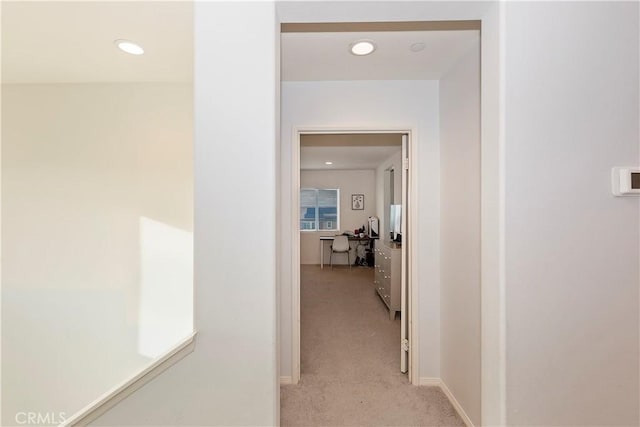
111	398
286	380
429	381
437	382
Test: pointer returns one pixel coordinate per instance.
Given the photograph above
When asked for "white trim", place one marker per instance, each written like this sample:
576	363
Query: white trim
405	294
277	224
98	407
437	382
414	367
492	286
295	257
412	254
286	380
502	282
430	382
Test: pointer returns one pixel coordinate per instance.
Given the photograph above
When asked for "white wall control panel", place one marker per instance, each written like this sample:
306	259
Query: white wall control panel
626	181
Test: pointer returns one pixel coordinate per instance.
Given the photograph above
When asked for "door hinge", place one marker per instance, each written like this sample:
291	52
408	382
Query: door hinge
405	344
405	164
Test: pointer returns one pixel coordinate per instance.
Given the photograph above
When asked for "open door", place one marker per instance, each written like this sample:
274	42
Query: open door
405	289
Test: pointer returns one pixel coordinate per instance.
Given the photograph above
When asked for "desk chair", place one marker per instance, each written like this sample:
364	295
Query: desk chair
340	245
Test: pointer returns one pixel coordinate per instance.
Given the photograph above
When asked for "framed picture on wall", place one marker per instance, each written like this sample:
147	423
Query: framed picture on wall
357	202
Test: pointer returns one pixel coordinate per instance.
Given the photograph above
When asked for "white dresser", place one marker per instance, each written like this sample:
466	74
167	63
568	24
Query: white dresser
388	262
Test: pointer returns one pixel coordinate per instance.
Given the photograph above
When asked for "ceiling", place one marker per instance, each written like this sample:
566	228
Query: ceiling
58	42
318	56
347	151
321	56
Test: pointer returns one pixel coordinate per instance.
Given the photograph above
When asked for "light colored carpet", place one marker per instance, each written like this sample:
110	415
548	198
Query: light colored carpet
350	360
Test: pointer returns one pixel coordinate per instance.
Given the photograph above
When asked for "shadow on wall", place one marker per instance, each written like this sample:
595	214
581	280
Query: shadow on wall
62	348
97	220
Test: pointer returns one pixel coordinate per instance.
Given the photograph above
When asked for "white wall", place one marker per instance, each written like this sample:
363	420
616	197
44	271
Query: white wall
172	398
460	232
349	182
371	105
231	377
97	225
572	249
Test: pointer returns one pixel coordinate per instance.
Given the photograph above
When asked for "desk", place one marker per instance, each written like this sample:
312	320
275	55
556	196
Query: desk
324	239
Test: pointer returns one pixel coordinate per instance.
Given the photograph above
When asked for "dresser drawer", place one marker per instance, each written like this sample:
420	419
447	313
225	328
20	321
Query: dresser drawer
387	271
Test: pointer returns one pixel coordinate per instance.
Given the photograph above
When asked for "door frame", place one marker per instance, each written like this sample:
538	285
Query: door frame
412	273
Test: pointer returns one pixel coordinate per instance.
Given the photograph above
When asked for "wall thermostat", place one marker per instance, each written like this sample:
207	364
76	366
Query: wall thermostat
626	181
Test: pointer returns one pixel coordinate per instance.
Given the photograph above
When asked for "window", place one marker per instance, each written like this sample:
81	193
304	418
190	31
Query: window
319	209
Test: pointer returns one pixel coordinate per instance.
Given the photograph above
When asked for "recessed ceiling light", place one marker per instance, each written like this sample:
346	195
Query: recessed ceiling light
417	47
129	47
328	163
362	47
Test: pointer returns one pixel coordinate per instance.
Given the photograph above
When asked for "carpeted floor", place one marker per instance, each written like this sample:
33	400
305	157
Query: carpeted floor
350	360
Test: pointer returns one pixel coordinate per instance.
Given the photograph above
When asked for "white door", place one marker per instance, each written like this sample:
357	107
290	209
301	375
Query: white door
405	297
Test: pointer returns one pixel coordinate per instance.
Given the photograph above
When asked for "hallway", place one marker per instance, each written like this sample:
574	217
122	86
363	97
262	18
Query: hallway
350	360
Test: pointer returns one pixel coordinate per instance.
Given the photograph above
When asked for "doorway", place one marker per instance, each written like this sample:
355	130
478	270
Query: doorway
391	248
332	99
